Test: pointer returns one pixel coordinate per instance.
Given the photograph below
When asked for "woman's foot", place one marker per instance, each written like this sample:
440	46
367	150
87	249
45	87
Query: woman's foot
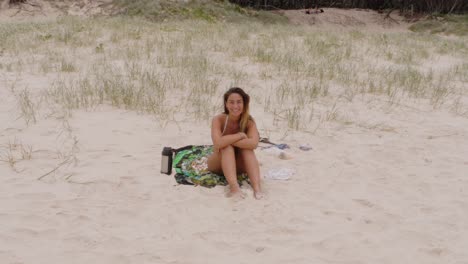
259	195
236	194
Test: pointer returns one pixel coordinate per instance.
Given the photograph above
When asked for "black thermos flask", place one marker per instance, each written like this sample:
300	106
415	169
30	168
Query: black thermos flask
166	161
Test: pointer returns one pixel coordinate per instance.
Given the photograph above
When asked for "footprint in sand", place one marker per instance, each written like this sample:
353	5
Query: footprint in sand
28	233
80	240
8	257
364	202
436	251
35	196
25	233
145	258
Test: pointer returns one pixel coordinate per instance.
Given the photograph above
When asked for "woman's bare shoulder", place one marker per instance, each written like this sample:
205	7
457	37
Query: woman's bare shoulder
251	122
219	118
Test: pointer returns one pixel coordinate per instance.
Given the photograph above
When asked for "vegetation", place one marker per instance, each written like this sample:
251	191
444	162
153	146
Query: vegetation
407	7
209	11
174	61
178	69
447	24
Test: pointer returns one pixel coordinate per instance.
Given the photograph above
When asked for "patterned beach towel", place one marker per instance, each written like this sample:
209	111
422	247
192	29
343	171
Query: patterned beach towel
191	166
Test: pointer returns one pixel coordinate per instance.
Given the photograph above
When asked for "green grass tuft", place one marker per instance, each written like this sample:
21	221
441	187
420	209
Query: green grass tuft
208	10
448	24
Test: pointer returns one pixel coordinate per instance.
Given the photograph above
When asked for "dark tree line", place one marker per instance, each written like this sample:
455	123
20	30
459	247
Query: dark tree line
4	4
425	6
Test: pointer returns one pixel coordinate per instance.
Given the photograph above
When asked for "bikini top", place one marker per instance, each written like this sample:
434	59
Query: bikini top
225	124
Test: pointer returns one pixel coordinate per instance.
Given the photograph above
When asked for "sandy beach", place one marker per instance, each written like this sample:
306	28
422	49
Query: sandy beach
385	180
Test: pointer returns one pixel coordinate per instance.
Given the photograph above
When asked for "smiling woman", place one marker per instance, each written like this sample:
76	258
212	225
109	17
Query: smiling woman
235	137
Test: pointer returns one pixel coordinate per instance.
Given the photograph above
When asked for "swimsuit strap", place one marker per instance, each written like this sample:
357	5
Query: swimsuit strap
225	124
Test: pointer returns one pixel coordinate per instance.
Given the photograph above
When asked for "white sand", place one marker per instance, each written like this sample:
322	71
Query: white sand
391	188
360	196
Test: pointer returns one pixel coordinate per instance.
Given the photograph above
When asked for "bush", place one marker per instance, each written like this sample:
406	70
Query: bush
448	24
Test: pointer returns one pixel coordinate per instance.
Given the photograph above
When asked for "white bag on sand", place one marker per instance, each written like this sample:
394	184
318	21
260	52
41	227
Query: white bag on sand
279	173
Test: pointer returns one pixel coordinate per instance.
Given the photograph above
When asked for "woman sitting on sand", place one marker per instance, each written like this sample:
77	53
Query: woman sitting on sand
235	136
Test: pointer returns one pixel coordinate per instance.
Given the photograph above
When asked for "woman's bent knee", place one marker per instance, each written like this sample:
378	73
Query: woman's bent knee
228	148
214	163
247	152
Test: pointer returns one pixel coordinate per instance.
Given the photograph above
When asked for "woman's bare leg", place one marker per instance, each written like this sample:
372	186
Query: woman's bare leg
251	167
228	164
214	162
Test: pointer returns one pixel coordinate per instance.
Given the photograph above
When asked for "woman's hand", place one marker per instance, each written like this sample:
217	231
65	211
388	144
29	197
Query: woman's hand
243	135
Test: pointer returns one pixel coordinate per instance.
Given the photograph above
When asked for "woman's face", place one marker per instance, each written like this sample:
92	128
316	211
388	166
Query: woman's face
235	104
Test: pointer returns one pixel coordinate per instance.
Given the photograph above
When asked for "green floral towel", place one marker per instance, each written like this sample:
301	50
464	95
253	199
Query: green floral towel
191	166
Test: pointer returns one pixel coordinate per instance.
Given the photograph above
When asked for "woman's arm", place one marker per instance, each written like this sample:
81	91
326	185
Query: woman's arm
220	141
251	142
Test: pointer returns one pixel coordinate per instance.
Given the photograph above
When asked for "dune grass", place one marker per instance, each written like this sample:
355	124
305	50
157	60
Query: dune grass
300	77
443	24
15	151
206	10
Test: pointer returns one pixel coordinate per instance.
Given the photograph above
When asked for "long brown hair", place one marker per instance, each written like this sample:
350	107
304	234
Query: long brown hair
245	116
